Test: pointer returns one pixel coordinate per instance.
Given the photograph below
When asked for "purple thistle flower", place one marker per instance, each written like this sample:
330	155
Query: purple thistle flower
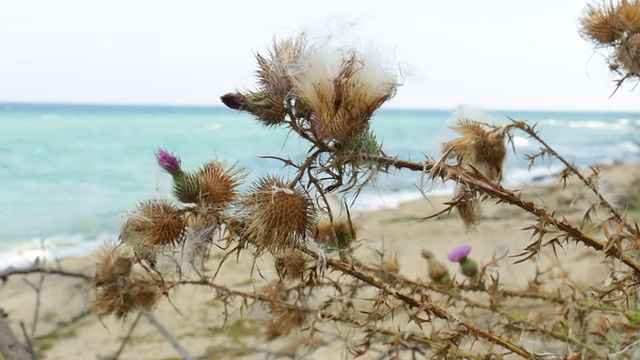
459	254
233	100
168	162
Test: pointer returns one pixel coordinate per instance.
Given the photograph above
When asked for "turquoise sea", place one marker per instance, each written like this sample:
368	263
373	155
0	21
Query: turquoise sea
70	173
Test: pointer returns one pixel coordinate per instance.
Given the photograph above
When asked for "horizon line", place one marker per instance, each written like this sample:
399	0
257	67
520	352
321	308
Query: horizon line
221	106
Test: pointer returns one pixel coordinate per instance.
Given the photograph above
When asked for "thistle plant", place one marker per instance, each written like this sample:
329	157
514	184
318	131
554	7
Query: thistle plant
614	28
325	280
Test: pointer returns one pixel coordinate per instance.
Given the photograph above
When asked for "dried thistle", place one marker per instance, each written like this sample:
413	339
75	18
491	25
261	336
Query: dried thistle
629	12
112	265
273	72
338	234
627	54
268	103
284	323
218	184
392	266
120	299
290	265
154	223
602	23
343	89
477	147
277	215
285	319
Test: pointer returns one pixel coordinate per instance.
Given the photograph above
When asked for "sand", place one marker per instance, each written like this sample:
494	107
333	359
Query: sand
67	329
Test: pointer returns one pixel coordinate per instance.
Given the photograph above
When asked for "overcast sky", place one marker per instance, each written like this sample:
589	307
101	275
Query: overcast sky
524	54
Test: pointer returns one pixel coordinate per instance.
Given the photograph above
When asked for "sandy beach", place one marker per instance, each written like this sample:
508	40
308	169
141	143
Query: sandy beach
67	329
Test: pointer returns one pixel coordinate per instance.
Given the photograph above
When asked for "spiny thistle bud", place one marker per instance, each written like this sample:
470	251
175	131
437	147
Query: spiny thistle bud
342	88
233	100
437	271
485	150
338	234
218	184
187	187
155	222
278	215
365	143
267	107
267	104
468	267
120	299
168	162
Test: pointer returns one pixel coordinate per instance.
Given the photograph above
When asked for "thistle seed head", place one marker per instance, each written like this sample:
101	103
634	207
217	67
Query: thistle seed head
277	216
485	150
290	265
267	104
342	88
154	223
113	264
338	234
218	184
120	299
468	207
602	24
629	11
273	70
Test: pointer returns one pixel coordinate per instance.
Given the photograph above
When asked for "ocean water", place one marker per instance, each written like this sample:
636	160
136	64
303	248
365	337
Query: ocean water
70	173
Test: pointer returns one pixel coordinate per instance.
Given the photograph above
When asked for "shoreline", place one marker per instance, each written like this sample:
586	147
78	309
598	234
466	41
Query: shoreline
69	330
371	200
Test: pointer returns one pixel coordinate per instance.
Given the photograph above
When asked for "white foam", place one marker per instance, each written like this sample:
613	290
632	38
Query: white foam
591	124
50	249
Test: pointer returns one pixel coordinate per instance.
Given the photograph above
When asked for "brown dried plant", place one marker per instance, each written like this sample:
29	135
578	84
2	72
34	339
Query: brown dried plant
614	26
322	283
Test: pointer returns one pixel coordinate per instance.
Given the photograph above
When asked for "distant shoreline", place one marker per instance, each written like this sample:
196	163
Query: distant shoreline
218	106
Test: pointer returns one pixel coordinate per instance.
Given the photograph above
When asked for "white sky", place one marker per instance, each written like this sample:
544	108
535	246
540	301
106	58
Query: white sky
510	54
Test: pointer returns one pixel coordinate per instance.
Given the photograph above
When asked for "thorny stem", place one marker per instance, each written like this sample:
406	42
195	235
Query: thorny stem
323	314
4	275
397	163
511	315
427	307
495	190
589	183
